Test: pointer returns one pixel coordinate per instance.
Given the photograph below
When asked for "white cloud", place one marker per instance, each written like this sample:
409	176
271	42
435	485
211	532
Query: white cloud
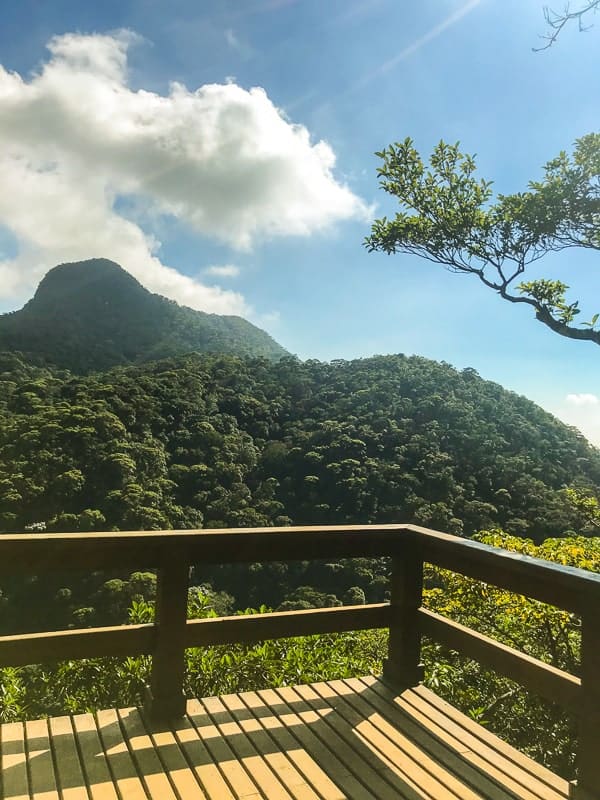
581	410
583	399
223	271
224	160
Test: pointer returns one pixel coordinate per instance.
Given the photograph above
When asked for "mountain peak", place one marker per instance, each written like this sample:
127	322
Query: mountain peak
95	275
91	315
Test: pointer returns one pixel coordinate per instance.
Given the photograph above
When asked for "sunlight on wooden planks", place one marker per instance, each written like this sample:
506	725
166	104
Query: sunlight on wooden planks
353	739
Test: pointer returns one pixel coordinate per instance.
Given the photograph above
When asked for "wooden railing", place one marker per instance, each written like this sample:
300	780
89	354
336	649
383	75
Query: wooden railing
409	546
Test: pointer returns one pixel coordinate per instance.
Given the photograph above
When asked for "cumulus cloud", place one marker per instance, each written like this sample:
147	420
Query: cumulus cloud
223	270
74	138
583	399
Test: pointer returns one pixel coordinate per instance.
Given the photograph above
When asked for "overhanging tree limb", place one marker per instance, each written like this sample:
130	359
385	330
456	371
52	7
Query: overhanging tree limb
448	216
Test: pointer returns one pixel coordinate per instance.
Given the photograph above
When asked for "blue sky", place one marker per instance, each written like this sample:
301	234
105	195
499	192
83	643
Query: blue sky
354	75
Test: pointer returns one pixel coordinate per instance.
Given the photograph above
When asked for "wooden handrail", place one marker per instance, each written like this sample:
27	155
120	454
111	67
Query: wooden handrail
173	552
42	648
543	679
569	588
134	640
247	628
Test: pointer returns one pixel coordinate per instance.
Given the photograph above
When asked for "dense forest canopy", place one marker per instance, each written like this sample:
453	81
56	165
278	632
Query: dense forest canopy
209	441
203	440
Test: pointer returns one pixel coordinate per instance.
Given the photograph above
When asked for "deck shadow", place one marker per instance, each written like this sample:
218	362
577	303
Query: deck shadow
352	738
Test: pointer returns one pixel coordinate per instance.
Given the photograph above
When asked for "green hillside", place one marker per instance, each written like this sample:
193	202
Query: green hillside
221	441
92	315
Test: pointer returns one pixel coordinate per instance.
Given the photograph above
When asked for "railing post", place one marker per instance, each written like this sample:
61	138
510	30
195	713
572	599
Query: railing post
587	786
403	666
165	697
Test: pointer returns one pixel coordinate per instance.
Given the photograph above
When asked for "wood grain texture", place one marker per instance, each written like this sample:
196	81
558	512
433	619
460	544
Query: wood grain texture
43	783
97	775
167	699
174	552
40	648
569	588
403	665
69	769
282	624
588	761
14	778
33	648
471	752
354	739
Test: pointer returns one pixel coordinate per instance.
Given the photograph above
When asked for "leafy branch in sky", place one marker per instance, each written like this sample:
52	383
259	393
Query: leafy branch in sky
448	215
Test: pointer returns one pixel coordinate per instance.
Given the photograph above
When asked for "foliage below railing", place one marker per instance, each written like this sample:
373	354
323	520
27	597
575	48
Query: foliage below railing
89	684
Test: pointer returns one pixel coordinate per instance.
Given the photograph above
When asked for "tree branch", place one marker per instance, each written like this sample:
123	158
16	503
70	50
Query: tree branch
583	334
446	217
558	21
489	710
543	314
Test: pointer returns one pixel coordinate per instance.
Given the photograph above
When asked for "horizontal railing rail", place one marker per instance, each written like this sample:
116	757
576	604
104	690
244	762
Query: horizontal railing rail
136	640
569	588
409	546
554	684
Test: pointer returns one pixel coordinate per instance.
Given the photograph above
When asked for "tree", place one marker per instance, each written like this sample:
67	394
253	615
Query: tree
449	216
557	21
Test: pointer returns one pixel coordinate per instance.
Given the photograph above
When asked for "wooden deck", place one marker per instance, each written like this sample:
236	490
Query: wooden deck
342	739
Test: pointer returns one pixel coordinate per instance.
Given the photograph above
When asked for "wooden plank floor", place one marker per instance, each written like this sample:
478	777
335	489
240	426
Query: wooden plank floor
342	739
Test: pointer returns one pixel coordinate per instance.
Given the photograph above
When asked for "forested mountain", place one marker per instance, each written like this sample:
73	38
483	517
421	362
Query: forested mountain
92	315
